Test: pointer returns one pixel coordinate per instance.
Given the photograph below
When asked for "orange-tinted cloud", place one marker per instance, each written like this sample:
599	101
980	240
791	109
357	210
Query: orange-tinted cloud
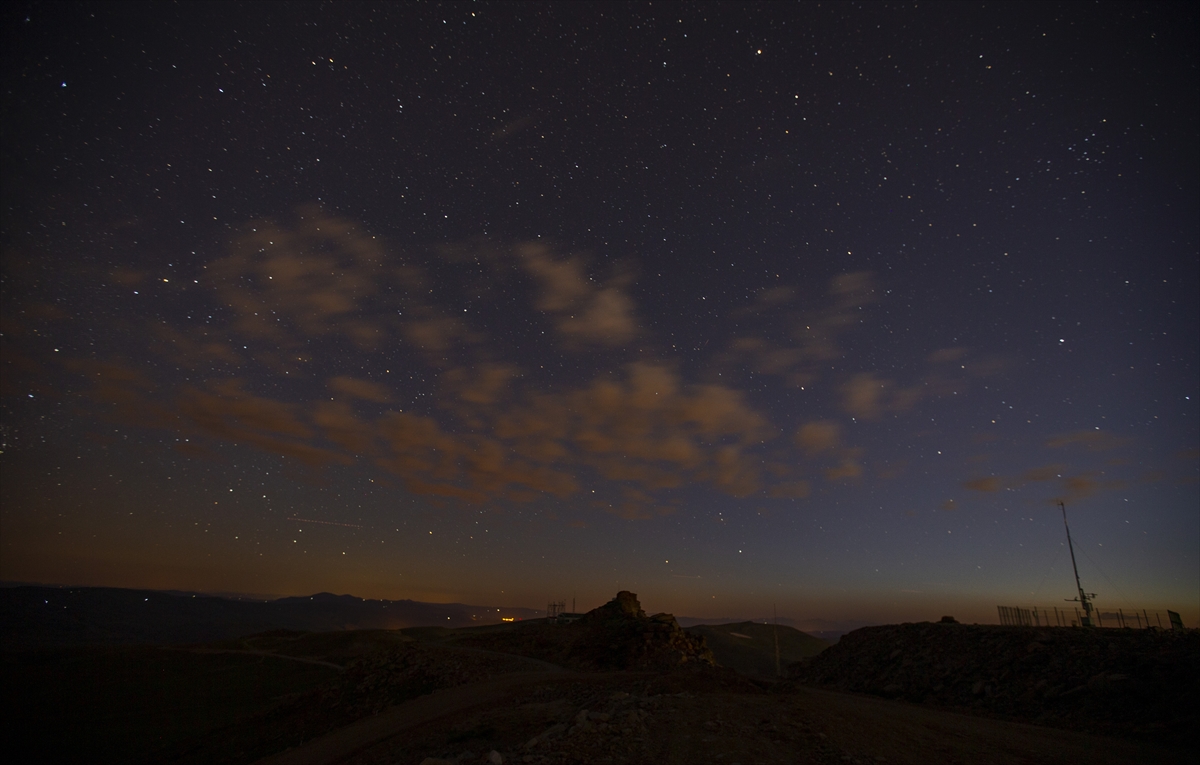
1086	484
473	394
1044	473
358	388
817	437
1093	440
126	393
311	280
847	469
813	335
127	277
305	287
340	425
862	394
945	355
989	484
584	312
227	412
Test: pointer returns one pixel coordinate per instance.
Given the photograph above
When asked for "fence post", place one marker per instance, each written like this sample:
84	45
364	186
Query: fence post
1147	618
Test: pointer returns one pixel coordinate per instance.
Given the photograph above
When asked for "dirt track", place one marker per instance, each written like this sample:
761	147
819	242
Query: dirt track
641	717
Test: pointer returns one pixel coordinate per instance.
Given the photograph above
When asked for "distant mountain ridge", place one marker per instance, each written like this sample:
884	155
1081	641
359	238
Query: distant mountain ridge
35	616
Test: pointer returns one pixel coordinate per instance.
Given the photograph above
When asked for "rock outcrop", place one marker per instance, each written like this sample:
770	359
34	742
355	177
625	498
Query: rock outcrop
1143	682
619	635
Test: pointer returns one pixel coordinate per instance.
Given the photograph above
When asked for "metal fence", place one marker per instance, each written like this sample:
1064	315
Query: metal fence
1054	616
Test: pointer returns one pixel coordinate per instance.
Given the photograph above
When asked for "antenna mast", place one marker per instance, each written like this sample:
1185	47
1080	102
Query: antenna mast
1084	597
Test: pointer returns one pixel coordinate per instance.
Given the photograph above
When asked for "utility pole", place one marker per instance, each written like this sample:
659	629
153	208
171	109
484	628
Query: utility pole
1084	597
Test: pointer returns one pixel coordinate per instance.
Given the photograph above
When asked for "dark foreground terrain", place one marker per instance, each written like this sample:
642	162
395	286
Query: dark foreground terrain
618	686
1136	683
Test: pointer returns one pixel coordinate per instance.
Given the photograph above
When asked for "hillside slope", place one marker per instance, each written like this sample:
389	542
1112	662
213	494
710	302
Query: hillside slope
749	647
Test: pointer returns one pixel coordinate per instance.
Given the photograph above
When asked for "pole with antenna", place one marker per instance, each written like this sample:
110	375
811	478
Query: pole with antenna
1084	598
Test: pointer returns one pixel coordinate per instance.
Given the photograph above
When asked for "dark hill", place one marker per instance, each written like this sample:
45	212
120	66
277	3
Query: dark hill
1114	681
749	647
617	635
50	616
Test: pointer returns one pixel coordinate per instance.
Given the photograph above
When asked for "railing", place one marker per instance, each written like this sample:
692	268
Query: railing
1055	616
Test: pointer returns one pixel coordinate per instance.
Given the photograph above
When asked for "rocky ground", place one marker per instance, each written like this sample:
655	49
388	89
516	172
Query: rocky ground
692	717
642	691
1141	683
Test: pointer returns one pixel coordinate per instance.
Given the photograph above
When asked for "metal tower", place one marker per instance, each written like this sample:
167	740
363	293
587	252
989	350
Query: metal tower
1084	597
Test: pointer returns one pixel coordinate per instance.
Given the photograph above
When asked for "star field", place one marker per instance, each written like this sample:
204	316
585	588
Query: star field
821	306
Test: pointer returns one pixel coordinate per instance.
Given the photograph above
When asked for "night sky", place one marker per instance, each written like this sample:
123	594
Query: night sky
818	307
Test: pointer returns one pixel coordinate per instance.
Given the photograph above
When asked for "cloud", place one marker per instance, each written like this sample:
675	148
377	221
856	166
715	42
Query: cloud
645	429
311	280
988	484
363	389
945	355
126	393
817	437
1044	473
340	426
1070	486
792	490
1093	440
481	386
434	333
862	394
227	412
304	292
1084	485
847	469
584	313
812	336
948	506
473	468
127	277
